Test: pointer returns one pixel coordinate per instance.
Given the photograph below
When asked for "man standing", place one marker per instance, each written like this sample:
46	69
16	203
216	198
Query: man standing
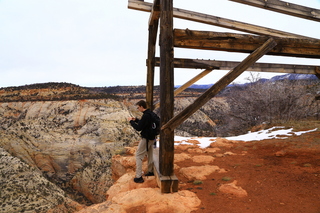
145	146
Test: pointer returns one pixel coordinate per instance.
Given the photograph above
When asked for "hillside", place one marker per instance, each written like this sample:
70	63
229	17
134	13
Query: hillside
66	91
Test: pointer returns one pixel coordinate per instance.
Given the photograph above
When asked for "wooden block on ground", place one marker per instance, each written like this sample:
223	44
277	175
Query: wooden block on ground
167	184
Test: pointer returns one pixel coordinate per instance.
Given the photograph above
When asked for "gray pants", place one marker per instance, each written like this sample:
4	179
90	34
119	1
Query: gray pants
141	153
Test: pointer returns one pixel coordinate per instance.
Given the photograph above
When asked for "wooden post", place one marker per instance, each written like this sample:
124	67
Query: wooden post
153	30
317	71
169	183
166	85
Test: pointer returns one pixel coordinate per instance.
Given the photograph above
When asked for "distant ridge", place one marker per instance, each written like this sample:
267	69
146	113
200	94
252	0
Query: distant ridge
290	77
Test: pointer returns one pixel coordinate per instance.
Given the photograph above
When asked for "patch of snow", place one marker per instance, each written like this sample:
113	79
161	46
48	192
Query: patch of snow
277	132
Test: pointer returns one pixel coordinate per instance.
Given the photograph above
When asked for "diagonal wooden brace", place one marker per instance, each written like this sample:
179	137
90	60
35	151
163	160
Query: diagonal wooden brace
222	83
186	85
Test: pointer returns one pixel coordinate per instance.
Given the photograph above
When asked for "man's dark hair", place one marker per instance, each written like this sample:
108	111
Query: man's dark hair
142	103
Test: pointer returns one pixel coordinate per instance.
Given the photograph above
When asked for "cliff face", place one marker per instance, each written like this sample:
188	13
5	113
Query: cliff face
68	142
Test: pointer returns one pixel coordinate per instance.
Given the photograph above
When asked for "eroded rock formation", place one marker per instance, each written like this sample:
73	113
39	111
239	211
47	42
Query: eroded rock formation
24	189
69	142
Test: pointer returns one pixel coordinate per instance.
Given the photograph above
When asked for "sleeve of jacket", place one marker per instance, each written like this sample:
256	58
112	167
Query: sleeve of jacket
139	125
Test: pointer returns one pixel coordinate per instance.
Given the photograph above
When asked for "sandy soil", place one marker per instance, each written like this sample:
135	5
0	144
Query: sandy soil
288	183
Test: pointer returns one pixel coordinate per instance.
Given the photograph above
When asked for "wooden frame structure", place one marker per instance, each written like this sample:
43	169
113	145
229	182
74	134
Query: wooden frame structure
260	41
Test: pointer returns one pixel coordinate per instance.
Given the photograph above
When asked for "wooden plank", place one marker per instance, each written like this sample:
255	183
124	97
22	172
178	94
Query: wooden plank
166	86
228	65
153	30
218	86
285	8
186	85
233	42
140	5
167	184
191	81
217	21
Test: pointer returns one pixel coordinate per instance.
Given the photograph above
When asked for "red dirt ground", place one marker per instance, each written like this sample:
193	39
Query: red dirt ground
288	184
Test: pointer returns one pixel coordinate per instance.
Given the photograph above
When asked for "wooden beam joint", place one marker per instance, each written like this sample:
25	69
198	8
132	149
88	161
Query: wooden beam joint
218	86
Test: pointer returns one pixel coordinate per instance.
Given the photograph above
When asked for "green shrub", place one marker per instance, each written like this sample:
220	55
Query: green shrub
197	182
226	178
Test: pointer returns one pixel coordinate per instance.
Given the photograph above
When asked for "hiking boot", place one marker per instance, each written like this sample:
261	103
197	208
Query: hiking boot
149	174
138	180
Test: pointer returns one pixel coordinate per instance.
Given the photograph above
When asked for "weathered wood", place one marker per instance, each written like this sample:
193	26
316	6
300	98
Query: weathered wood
186	85
245	43
217	21
166	87
155	12
167	184
153	30
218	86
285	8
317	70
228	65
191	81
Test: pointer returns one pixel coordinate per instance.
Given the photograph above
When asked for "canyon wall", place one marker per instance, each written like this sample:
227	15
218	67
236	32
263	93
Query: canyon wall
68	142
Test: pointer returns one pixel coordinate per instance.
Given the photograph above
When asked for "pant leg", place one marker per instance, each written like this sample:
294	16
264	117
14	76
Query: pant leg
150	155
140	154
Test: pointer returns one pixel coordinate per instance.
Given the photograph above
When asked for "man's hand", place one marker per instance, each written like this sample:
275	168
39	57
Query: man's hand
131	119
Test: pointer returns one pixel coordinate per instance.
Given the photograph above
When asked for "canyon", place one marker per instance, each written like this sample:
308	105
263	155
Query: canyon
65	150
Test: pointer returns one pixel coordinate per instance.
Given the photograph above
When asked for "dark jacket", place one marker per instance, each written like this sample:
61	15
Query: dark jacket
144	125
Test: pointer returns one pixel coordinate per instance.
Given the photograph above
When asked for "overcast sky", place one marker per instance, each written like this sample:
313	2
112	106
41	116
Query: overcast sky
103	43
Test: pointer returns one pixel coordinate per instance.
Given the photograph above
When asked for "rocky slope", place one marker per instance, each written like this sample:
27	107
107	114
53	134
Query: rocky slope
68	142
71	142
24	189
127	196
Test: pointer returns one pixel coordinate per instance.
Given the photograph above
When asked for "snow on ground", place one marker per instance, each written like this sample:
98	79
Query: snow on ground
277	132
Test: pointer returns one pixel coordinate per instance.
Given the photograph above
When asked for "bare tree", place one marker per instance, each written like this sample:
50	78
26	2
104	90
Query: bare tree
271	102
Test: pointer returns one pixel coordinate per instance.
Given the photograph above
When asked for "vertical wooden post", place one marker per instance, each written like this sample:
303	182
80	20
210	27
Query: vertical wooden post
166	152
153	30
317	71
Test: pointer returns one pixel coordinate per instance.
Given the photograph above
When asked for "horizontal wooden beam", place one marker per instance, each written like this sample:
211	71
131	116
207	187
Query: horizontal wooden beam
228	65
245	43
216	21
219	85
285	8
